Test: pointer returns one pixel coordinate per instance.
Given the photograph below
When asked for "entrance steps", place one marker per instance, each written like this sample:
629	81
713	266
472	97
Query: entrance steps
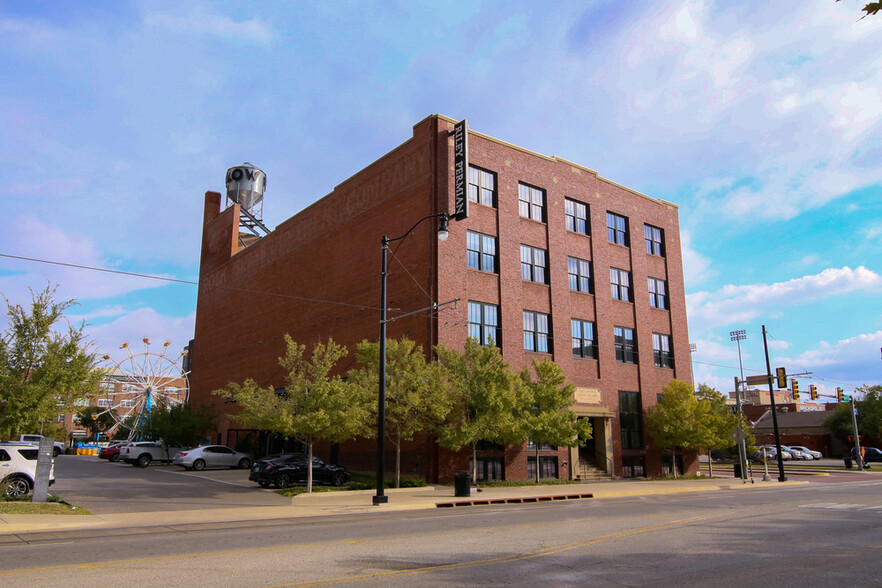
587	472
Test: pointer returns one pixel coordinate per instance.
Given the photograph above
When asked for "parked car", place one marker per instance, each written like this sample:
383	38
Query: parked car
870	454
35	440
142	453
812	452
212	456
287	470
111	452
18	468
796	453
771	453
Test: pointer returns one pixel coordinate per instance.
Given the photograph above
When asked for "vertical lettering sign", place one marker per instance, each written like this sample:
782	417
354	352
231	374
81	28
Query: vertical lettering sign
461	169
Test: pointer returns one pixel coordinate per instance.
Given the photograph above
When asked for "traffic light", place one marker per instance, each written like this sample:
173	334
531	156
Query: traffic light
840	395
781	374
794	387
813	390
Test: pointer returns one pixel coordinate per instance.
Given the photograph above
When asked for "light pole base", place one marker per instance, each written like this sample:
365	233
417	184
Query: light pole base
380	500
767	478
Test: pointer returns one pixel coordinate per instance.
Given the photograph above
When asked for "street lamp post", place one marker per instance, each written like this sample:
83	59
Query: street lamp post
739	336
380	497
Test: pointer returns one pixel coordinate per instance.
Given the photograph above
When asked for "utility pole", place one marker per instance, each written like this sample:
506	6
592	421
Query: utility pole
781	476
738	337
857	438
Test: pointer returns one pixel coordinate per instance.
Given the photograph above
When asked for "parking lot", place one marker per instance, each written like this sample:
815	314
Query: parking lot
104	487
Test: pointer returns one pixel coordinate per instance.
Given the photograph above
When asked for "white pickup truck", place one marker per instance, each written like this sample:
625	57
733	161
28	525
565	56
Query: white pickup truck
142	453
35	440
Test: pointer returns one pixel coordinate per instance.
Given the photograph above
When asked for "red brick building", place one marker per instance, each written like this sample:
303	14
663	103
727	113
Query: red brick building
553	261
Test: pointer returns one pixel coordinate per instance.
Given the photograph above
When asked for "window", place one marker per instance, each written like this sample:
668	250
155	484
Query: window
620	284
577	216
81	402
536	331
59	418
661	351
531	446
484	323
482	186
105	403
633	466
667	465
484	445
617	229
531	202
547	467
626	345
107	387
655	242
658	293
630	420
584	342
533	264
481	252
490	468
580	274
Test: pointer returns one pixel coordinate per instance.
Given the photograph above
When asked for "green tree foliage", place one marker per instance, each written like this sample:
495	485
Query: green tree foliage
95	422
416	399
485	401
43	369
186	424
869	417
315	405
870	8
548	401
682	421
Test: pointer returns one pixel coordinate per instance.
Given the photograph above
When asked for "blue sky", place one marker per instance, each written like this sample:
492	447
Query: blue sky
761	121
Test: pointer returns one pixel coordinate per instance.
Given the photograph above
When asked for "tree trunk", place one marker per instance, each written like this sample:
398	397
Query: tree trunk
398	457
537	463
710	464
674	461
309	465
474	464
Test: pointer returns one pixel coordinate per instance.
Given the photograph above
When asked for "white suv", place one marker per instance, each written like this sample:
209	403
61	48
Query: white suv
18	466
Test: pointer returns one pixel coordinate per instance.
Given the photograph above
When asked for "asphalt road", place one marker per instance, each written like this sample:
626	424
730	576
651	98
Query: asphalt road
823	534
104	487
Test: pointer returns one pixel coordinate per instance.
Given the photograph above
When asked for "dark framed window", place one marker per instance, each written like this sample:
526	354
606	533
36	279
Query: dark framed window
617	229
631	420
633	466
655	240
531	446
537	330
531	202
484	323
482	186
584	341
547	467
661	351
620	284
533	263
658	293
577	216
484	445
580	274
489	468
667	463
482	252
626	345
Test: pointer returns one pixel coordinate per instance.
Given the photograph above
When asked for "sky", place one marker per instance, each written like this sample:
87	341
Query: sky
761	120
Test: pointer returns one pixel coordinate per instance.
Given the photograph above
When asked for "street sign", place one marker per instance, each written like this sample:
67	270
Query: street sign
754	380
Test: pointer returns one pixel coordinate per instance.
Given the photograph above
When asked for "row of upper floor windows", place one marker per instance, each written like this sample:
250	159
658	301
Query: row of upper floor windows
485	326
482	255
532	205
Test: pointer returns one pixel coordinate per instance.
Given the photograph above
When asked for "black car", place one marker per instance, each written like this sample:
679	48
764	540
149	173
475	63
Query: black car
287	470
870	454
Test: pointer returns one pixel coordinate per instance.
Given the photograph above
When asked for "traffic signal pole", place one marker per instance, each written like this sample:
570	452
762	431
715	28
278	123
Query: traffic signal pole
781	476
857	438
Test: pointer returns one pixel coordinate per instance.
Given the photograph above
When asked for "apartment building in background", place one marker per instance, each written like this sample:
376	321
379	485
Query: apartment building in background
553	261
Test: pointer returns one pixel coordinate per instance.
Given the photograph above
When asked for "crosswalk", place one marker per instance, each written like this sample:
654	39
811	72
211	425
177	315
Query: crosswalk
841	506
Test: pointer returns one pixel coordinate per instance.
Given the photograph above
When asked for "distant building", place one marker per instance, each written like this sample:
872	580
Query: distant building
553	261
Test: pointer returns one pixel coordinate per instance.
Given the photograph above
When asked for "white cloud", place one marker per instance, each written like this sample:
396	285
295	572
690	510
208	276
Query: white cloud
135	325
199	21
849	361
737	304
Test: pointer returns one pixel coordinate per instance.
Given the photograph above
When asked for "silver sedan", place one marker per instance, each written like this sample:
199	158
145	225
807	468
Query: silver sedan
212	456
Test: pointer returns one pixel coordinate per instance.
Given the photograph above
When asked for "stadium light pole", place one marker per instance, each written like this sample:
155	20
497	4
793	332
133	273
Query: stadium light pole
739	336
443	232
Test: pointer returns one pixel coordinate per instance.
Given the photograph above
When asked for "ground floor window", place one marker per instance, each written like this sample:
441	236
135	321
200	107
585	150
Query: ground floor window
547	467
666	465
490	468
633	466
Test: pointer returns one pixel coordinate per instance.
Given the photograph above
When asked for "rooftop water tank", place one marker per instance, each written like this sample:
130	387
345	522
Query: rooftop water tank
245	185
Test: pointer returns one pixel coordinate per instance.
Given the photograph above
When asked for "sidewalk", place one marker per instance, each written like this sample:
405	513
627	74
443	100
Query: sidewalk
361	501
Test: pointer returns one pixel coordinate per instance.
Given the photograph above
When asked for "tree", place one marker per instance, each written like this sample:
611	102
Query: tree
185	423
416	399
547	402
314	406
718	422
870	9
484	399
869	416
96	422
43	369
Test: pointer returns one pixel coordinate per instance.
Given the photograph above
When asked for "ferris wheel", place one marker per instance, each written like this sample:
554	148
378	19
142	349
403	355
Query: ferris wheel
134	385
